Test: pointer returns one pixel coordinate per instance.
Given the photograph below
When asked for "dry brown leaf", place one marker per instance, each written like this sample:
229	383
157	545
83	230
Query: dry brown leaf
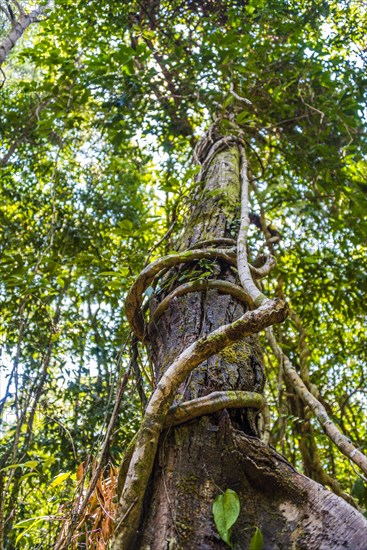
80	472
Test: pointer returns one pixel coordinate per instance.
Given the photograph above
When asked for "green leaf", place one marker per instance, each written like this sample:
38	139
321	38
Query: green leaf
30	464
24	522
60	478
256	543
60	281
27	464
48	461
26	476
26	530
359	491
226	508
242	116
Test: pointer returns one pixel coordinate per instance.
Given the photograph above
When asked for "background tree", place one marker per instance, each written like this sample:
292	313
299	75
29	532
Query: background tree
93	97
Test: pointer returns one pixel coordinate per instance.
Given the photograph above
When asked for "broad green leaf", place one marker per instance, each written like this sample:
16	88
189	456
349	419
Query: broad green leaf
256	543
11	467
226	509
59	479
24	522
26	476
48	461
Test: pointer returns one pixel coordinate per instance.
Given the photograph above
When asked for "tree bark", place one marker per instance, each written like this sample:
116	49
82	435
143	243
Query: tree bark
199	459
17	31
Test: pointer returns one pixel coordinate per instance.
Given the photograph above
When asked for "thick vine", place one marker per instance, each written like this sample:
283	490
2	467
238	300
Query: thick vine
263	312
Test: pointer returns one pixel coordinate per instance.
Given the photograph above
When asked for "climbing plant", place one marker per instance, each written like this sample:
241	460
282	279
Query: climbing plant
102	107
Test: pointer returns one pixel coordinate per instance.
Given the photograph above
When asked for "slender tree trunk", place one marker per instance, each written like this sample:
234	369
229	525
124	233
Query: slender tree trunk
17	31
199	459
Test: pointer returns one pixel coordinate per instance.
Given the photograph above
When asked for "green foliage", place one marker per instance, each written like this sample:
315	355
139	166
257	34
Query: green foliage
256	542
226	509
359	491
100	108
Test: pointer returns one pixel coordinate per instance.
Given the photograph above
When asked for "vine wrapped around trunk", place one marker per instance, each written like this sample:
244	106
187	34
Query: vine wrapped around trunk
186	371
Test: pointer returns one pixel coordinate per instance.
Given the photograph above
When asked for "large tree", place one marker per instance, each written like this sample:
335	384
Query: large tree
189	324
95	97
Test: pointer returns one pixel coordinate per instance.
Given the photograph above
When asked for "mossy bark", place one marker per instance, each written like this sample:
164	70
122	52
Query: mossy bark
189	317
197	460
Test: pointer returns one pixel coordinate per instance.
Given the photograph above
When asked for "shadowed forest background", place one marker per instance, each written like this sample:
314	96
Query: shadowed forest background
102	104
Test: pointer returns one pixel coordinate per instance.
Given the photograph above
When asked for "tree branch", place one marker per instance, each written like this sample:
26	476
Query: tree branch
18	29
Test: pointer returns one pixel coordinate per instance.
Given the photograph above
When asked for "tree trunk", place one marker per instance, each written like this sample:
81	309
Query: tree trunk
17	31
199	459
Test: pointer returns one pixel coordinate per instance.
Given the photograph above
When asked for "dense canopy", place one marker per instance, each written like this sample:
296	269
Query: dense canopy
101	106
